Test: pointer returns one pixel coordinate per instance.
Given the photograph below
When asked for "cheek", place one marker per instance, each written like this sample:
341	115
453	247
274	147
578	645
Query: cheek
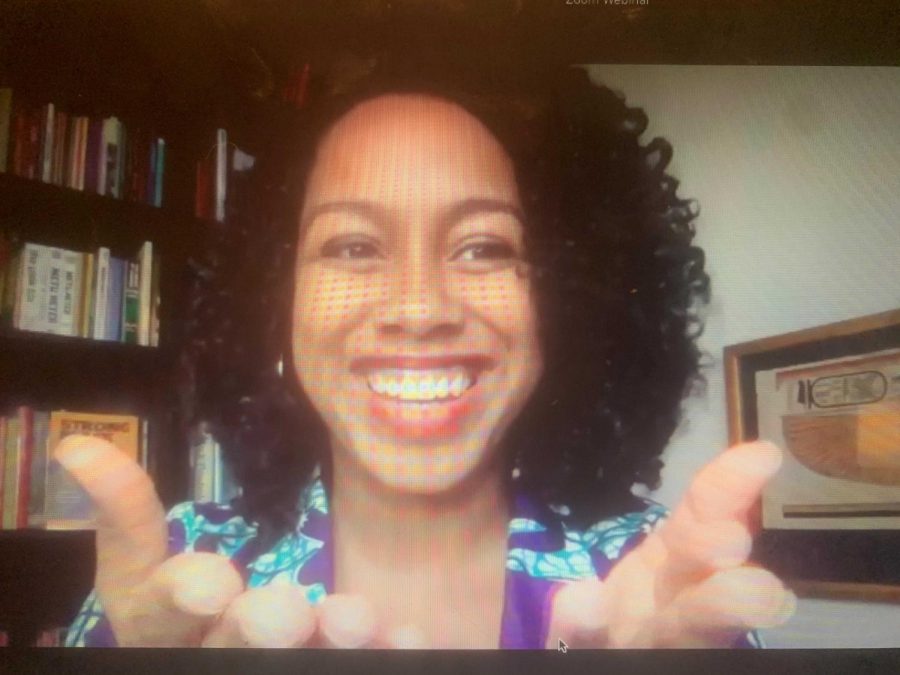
503	301
326	302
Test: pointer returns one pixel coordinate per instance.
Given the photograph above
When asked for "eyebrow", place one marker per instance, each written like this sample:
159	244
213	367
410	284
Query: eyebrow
378	214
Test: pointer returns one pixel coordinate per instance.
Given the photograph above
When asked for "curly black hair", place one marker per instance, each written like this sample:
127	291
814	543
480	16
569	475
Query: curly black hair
617	279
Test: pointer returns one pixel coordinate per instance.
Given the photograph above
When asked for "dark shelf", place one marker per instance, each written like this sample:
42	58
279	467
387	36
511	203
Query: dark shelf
59	216
46	575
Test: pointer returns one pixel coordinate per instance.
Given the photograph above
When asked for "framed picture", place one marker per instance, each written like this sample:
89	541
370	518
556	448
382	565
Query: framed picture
830	398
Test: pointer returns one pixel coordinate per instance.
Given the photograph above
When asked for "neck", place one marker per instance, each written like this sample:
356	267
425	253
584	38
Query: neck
415	531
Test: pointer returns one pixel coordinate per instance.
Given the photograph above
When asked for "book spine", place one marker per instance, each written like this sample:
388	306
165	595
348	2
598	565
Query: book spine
221	174
116	288
83	153
30	309
26	452
11	466
87	295
48	125
145	262
109	156
5	118
2	464
155	300
101	294
39	461
159	172
131	304
60	136
70	180
53	319
70	322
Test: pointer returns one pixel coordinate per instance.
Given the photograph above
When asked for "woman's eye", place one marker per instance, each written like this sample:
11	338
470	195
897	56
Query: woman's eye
485	250
353	249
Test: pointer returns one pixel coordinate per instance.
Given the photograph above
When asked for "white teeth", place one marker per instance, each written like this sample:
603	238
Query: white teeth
420	385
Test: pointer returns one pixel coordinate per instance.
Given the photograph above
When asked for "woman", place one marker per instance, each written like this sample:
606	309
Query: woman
482	291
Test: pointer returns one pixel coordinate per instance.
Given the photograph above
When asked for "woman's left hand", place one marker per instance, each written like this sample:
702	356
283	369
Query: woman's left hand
688	583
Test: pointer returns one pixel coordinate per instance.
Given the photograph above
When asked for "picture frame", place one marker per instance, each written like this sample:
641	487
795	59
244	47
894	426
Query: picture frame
829	521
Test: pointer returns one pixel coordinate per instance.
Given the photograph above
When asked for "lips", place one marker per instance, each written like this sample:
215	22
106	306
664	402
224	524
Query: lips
422	396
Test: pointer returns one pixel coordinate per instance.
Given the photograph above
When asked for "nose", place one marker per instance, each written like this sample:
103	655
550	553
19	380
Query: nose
419	303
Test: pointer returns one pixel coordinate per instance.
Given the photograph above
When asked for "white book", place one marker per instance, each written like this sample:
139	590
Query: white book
203	453
101	293
31	305
221	174
145	293
54	292
70	314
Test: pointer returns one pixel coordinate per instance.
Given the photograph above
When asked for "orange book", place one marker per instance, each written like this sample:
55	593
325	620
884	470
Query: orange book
68	505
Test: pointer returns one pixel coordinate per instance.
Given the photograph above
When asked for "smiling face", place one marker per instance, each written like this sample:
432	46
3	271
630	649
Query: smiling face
414	331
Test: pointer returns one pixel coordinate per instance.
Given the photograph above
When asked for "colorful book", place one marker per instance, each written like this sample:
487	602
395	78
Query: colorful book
131	304
68	505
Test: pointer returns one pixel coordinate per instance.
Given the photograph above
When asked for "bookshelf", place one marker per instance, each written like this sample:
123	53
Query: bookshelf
165	68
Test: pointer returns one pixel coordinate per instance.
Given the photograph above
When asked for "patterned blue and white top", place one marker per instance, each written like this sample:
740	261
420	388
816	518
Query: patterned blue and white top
543	555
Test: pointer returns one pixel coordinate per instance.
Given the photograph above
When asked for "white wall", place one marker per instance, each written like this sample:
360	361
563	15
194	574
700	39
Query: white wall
797	170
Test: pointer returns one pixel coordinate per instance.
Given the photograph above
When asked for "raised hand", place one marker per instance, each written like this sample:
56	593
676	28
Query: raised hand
687	584
190	599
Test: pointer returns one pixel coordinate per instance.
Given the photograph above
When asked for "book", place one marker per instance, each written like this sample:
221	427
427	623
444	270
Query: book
221	175
68	505
115	291
203	465
72	150
5	119
51	319
93	161
2	463
60	136
70	317
87	295
155	299
131	301
101	293
39	462
145	264
17	468
48	126
31	286
159	172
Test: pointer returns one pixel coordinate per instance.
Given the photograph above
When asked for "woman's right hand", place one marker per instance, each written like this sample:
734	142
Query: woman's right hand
190	599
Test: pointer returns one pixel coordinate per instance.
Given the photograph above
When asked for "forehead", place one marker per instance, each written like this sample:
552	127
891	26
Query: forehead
405	148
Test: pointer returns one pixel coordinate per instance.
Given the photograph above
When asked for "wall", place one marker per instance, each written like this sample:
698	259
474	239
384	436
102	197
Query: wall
797	170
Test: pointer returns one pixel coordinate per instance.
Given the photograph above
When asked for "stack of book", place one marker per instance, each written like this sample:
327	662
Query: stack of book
216	174
34	489
95	295
83	153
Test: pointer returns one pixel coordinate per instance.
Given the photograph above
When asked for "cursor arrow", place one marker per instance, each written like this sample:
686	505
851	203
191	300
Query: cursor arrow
563	647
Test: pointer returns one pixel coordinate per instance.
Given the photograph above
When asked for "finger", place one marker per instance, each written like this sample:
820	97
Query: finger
696	550
727	487
269	616
178	602
346	622
579	615
131	525
715	612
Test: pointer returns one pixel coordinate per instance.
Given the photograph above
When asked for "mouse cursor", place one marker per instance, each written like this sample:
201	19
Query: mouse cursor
563	647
